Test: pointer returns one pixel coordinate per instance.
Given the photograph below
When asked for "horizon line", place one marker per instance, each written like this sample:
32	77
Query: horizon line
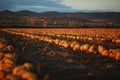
82	11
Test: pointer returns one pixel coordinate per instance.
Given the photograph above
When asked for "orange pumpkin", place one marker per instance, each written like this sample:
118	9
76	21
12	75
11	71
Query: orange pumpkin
28	66
105	53
100	49
117	57
29	76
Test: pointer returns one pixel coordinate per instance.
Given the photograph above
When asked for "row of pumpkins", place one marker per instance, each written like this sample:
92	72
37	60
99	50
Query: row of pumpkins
9	70
88	48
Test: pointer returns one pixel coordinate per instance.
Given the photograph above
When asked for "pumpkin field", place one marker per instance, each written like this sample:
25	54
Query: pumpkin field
59	54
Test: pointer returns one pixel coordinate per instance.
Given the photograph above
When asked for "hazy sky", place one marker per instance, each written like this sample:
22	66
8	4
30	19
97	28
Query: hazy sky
61	5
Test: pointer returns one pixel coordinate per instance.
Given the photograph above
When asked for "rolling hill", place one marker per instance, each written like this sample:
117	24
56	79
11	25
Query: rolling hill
53	18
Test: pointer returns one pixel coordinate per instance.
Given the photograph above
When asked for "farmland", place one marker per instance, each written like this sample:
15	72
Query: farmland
63	53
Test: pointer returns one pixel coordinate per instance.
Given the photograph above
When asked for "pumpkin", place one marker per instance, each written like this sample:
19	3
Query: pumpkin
29	76
18	71
10	56
76	46
91	49
105	53
8	68
8	65
100	49
1	45
66	44
12	77
85	47
8	61
28	66
72	44
112	55
117	57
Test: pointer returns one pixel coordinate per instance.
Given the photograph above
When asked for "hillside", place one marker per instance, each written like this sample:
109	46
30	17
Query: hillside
27	18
